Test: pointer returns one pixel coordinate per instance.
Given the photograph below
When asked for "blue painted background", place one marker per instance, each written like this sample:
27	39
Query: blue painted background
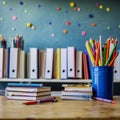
43	14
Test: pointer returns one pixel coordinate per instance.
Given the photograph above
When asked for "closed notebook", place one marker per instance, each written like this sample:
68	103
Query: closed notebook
76	93
14	84
28	89
12	93
65	97
28	97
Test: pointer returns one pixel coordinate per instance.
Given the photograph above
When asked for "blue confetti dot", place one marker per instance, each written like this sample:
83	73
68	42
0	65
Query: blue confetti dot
91	15
79	25
50	23
66	11
21	2
10	9
39	5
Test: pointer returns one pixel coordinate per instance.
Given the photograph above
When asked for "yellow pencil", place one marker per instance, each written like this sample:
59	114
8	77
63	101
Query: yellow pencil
90	52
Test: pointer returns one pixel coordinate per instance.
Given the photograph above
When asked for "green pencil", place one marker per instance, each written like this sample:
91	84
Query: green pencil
109	58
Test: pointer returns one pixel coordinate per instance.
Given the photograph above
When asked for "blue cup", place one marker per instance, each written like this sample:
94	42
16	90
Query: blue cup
102	81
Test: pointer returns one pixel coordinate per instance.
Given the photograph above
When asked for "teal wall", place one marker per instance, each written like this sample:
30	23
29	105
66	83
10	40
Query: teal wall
43	14
48	21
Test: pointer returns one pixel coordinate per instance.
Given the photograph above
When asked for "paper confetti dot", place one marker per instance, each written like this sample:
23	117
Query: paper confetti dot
32	27
4	2
52	35
97	4
101	6
1	19
68	23
28	24
75	8
83	33
25	11
93	24
78	9
78	24
72	4
50	23
10	9
65	31
90	15
39	5
21	2
14	17
108	9
108	27
119	26
13	29
58	8
65	11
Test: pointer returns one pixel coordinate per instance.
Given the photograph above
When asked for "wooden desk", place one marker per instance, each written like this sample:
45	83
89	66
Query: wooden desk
62	110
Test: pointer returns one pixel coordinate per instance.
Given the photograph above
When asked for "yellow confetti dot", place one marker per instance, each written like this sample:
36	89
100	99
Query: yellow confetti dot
101	6
28	24
107	9
72	4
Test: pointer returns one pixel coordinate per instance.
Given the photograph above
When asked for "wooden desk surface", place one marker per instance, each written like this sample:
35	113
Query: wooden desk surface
62	110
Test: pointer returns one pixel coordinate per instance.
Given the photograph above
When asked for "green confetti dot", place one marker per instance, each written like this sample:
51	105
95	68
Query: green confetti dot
25	11
1	19
108	27
4	3
119	26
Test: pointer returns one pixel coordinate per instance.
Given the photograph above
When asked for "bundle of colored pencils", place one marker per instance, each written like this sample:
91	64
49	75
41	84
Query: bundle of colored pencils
102	55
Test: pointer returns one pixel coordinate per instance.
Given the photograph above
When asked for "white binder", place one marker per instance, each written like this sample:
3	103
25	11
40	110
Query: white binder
49	63
33	63
79	64
71	62
13	69
63	63
117	68
1	62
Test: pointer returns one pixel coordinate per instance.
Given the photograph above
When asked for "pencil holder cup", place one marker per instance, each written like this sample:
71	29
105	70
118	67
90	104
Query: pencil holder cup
102	81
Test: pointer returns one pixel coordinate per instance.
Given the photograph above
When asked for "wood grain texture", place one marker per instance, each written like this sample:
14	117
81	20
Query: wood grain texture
62	110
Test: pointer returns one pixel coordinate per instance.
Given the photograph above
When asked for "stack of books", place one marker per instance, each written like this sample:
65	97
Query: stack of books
77	92
25	91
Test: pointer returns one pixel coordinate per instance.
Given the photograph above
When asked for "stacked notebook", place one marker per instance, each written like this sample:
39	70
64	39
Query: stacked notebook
77	92
25	91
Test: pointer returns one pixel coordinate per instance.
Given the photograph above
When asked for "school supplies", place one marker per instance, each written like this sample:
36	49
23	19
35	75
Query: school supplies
102	54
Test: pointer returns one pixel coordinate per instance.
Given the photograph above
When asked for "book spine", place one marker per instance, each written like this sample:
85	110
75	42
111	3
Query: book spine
24	85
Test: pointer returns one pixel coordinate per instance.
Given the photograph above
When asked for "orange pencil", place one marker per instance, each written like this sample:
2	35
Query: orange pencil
113	59
97	53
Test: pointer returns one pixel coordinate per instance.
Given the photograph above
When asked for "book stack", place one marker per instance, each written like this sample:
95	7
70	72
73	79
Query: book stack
77	92
25	91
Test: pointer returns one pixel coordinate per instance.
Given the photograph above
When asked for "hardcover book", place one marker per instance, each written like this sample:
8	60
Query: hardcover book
28	89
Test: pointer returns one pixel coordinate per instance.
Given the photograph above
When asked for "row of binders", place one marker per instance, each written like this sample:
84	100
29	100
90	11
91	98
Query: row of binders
62	63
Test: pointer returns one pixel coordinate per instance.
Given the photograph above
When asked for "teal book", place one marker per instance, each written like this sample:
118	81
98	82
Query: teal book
25	84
